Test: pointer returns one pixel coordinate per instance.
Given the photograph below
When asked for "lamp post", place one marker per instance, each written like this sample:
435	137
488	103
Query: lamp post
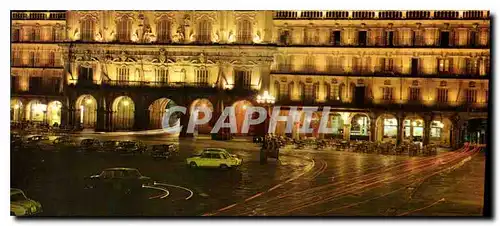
265	100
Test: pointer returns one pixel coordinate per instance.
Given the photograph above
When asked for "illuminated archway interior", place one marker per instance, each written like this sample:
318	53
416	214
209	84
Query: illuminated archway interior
54	113
16	110
86	111
157	111
202	103
123	113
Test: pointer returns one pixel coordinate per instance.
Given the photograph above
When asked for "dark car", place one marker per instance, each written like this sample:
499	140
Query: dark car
164	151
16	142
64	143
36	142
130	147
110	145
90	145
126	180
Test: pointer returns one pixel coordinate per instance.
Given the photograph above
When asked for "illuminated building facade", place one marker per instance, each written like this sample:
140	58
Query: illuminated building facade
388	75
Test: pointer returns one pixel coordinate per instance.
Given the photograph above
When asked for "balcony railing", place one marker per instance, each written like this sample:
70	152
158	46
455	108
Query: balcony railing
383	74
27	15
151	84
381	15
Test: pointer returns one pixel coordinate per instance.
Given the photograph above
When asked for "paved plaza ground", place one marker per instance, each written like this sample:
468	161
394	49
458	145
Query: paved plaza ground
302	183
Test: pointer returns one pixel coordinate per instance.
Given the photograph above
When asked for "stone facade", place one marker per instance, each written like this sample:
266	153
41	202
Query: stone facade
119	70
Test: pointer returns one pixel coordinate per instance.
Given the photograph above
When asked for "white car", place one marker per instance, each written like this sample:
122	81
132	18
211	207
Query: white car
20	205
214	157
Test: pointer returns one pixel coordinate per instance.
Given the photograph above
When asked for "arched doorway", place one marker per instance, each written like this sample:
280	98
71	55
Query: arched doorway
202	103
336	123
360	127
157	111
387	128
86	111
36	111
240	109
413	129
123	113
16	110
54	113
440	131
476	130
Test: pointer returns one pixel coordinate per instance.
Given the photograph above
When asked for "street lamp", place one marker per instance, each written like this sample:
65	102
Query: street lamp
266	100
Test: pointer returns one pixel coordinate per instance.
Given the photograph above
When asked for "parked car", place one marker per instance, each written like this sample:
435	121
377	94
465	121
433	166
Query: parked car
214	157
122	179
16	142
90	145
20	205
64	142
37	138
131	147
110	145
163	151
36	142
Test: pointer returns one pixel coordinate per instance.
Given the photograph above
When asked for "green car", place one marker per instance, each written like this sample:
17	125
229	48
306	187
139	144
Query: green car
215	158
20	205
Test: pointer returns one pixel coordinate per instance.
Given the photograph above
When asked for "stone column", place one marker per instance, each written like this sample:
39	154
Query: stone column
101	119
265	74
373	128
427	129
71	116
347	131
400	118
64	115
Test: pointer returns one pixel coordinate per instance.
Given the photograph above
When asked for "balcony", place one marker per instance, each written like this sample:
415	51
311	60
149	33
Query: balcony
416	106
381	15
382	74
38	15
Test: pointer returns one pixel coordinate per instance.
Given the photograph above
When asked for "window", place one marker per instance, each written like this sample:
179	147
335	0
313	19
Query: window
436	129
53	83
335	38
389	38
387	93
315	91
335	92
16	35
87	28
34	59
244	31
277	89
309	64
444	66
414	94
442	95
415	68
163	30
124	27
85	74
285	37
362	38
204	31
444	39
52	59
473	39
122	75
386	64
471	96
334	64
310	37
16	59
390	127
35	83
472	66
14	83
35	33
161	75
202	77
242	79
284	93
307	91
417	38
